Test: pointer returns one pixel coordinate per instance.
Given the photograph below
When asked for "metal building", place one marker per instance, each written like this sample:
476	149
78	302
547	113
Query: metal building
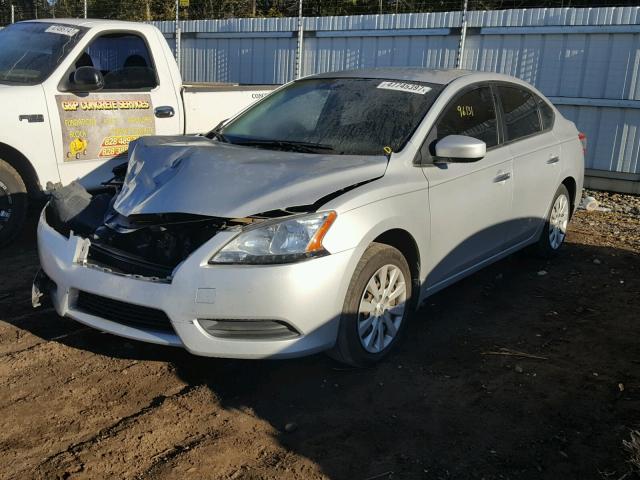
586	60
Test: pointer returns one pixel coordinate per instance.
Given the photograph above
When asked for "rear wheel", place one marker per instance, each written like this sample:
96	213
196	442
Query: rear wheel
555	228
13	202
376	307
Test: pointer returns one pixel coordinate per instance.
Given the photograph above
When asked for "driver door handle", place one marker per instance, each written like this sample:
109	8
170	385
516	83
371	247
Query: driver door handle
164	112
502	177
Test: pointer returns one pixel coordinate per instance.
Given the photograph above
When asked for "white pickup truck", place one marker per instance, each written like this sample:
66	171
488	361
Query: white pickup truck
75	92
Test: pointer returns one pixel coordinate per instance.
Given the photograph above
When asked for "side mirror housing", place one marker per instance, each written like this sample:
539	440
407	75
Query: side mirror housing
87	79
460	148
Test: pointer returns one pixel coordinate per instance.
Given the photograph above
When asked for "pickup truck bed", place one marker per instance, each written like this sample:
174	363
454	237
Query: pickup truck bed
222	101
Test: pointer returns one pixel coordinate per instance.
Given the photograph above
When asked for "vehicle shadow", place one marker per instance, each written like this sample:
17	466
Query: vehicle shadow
442	406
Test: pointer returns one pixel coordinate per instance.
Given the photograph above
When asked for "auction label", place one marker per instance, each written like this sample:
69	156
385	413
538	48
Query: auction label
405	87
62	30
102	125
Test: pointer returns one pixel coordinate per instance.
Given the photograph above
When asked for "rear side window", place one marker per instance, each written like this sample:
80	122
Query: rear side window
546	114
472	114
520	110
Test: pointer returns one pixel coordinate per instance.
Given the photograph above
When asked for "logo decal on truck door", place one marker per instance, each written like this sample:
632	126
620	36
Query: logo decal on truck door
102	125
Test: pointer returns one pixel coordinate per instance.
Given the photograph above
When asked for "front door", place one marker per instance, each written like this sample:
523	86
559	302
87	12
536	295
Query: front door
470	203
95	128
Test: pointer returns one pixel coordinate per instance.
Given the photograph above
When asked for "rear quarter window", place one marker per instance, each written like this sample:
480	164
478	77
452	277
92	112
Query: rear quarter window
546	114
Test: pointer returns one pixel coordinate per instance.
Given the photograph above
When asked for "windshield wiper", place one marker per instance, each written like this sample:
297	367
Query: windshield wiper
218	135
303	147
217	132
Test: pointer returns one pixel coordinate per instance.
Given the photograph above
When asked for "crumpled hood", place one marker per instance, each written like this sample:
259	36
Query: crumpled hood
199	176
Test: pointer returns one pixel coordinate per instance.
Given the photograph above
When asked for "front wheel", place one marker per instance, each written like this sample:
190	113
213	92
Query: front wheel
13	202
555	228
376	308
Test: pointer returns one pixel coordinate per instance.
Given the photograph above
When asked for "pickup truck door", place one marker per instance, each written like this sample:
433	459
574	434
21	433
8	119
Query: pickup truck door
91	131
470	203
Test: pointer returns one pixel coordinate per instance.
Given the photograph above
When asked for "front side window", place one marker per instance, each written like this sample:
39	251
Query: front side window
31	51
123	59
472	114
351	116
520	110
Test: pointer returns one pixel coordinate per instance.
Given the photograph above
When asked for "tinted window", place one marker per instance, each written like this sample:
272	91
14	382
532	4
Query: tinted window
520	112
354	116
123	59
471	114
546	114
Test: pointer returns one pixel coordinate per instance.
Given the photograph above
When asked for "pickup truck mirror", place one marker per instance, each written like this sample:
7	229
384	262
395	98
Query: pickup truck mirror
87	79
460	148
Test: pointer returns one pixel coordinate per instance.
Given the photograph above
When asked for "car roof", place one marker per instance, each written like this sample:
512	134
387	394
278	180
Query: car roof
415	74
89	22
418	74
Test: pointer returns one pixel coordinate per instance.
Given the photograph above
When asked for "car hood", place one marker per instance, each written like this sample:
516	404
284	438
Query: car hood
196	175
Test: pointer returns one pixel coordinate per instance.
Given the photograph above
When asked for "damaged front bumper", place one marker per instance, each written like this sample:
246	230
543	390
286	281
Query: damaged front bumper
241	311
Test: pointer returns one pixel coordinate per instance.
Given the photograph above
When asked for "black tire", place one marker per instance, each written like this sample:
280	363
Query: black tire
13	203
349	348
545	247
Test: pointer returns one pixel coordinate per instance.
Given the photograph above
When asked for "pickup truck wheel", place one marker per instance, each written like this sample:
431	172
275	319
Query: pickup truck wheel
376	308
555	228
13	203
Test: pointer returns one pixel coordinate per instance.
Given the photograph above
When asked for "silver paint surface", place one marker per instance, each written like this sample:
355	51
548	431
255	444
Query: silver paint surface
199	176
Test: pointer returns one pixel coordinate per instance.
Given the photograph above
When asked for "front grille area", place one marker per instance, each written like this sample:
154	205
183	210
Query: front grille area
144	318
124	262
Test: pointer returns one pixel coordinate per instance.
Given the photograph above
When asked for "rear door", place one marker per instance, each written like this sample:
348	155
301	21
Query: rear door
470	203
95	128
527	122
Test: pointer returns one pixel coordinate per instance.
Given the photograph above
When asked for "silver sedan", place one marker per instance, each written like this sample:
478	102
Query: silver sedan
317	219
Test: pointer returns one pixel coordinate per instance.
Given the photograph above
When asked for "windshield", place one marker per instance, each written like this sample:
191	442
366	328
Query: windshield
353	116
32	50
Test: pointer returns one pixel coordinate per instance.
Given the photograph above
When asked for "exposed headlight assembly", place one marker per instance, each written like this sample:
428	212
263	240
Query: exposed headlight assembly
281	241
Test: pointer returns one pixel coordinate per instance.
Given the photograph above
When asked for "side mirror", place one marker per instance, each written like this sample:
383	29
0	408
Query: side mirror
87	79
460	148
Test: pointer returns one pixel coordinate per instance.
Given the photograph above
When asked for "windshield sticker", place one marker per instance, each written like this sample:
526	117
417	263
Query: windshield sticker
62	30
405	87
101	126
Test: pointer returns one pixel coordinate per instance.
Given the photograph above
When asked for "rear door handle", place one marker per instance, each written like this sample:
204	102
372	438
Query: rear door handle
553	159
502	177
164	112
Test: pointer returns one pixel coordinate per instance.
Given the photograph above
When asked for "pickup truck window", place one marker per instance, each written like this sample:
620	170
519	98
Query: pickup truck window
123	59
351	116
31	51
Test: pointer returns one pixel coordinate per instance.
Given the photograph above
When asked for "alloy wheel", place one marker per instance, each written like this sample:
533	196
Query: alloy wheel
382	308
558	221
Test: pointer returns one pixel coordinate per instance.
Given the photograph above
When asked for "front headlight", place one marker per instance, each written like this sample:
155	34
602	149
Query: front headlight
282	241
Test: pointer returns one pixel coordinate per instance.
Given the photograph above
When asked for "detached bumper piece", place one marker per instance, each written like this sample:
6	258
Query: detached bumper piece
41	290
248	329
124	313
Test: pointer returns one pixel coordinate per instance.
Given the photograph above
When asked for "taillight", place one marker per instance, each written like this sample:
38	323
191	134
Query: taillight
583	139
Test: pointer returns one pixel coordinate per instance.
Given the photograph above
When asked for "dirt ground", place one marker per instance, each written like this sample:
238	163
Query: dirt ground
77	403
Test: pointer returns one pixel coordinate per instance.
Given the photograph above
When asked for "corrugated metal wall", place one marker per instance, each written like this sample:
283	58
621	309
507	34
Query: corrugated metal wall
586	60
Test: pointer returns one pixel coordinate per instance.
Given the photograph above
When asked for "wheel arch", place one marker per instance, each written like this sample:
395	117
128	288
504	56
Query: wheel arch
23	166
571	185
407	245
